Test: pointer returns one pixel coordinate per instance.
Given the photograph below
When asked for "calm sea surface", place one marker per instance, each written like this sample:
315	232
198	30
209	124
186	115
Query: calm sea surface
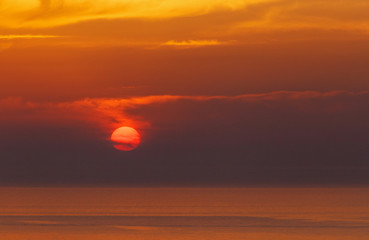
184	213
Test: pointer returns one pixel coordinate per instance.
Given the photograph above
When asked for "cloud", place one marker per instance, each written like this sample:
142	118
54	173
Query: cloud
105	115
112	113
26	36
297	16
48	13
151	23
194	43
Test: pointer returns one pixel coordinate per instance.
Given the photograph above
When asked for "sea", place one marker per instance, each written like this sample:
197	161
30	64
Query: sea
88	213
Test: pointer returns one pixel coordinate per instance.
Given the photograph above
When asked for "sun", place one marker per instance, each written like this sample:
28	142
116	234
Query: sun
125	139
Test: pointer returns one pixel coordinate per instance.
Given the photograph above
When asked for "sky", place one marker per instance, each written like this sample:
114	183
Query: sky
222	93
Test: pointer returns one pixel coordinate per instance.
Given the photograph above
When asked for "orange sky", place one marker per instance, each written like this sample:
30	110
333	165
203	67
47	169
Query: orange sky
91	66
118	48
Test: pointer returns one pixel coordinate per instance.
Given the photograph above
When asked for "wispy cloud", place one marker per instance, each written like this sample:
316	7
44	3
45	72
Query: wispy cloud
115	112
34	13
26	36
183	23
194	43
292	16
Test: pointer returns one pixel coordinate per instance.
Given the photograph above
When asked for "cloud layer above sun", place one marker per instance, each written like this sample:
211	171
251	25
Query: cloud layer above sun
108	114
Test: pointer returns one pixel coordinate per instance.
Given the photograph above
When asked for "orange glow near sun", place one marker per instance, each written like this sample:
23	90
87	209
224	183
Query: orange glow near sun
125	139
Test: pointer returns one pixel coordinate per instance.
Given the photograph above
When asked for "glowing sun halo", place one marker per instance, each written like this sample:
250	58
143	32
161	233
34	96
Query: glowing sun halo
125	138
